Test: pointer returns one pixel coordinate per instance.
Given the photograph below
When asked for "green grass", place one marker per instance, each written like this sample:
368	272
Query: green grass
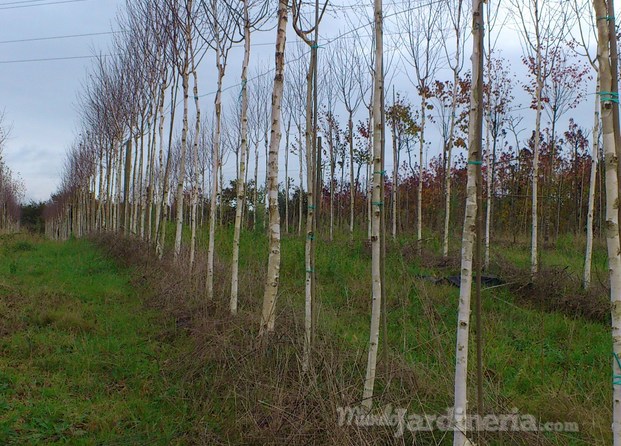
79	359
566	252
81	363
544	363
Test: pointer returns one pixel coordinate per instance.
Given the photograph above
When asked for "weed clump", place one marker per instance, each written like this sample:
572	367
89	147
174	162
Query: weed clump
556	289
65	319
22	246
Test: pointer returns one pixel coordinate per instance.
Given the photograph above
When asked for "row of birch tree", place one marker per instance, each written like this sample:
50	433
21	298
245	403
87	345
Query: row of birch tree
150	159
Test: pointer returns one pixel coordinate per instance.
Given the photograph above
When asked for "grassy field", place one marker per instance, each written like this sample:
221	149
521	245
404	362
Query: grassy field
79	354
83	360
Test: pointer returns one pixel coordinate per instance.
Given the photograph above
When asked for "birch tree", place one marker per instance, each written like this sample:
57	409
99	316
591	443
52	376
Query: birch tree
183	14
475	129
312	176
498	96
272	279
455	63
542	26
11	188
296	99
258	127
610	100
422	42
222	22
349	73
241	182
584	33
377	202
495	91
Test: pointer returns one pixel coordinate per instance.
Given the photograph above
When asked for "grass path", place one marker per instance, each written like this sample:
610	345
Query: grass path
80	359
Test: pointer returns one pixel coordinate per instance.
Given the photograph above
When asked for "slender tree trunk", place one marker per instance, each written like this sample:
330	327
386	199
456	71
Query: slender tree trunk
488	181
108	200
611	22
287	177
268	313
419	204
491	168
159	180
127	184
475	130
370	173
377	203
352	189
395	185
588	257
301	188
145	200
255	195
100	201
395	170
162	217
118	223
184	142
197	129
267	179
185	77
218	196
137	181
332	172
241	182
449	153
214	188
534	254
488	163
609	97
151	177
312	198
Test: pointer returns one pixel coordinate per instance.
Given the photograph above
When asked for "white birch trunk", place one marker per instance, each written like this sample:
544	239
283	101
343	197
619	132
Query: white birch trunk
370	173
534	255
588	257
138	221
311	177
352	191
376	276
272	279
489	163
419	204
301	188
181	171
449	153
469	232
162	218
332	171
255	194
609	100
119	174
159	200
287	177
197	128
395	171
214	188
241	178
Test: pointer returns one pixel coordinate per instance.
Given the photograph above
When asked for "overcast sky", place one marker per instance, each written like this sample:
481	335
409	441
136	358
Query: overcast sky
39	97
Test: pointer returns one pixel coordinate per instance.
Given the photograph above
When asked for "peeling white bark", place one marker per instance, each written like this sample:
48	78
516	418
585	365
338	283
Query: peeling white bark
377	205
268	314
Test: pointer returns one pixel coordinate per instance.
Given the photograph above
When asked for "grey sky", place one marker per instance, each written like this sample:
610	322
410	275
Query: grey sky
39	97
